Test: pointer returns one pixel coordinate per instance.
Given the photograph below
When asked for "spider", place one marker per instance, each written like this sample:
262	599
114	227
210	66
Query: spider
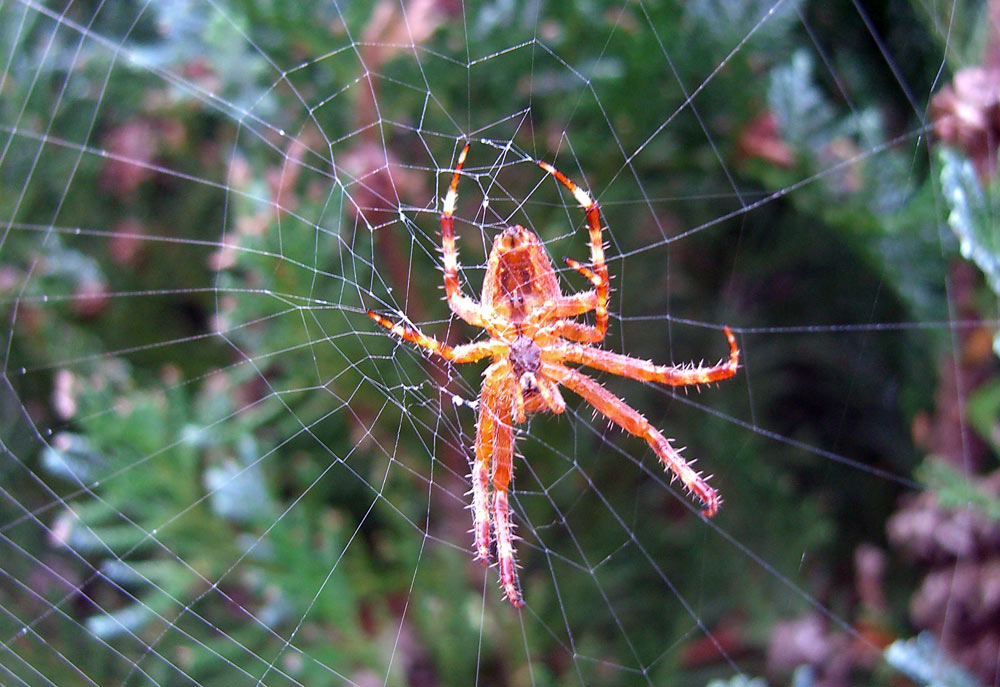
532	334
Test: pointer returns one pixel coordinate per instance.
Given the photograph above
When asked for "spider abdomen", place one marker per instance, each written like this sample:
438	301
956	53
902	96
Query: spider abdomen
519	275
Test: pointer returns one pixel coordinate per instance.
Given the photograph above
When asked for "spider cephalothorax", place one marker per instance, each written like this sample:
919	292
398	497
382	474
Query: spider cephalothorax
532	333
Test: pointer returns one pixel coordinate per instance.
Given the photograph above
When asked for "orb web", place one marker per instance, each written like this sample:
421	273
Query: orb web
218	469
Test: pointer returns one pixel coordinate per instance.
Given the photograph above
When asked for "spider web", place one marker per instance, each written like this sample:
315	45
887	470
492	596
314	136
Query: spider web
218	470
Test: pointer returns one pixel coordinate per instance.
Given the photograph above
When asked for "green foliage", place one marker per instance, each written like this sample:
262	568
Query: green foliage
984	413
972	217
953	489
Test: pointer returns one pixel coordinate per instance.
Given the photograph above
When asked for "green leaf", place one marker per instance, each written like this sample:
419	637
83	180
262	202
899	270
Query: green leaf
983	411
805	116
972	216
954	490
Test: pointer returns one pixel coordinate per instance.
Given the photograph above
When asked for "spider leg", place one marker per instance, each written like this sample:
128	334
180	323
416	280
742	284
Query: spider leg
577	331
591	276
505	549
546	389
485	439
635	368
550	394
632	421
562	307
598	271
460	304
570	306
466	353
503	454
520	414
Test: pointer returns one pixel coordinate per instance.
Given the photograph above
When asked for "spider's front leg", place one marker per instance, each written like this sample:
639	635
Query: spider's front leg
597	273
460	304
466	353
503	455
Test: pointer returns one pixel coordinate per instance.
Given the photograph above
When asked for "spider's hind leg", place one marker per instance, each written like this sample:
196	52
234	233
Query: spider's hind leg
503	455
486	437
505	549
633	422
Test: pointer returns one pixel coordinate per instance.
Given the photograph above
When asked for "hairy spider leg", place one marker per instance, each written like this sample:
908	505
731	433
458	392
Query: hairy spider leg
520	412
485	434
494	453
598	271
558	308
634	422
549	392
590	274
466	353
575	331
503	455
548	397
571	305
505	549
636	368
460	304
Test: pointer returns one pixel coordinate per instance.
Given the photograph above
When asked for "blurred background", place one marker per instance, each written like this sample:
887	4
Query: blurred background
218	471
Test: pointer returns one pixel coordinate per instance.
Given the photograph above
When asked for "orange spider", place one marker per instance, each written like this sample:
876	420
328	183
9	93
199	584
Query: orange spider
531	335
